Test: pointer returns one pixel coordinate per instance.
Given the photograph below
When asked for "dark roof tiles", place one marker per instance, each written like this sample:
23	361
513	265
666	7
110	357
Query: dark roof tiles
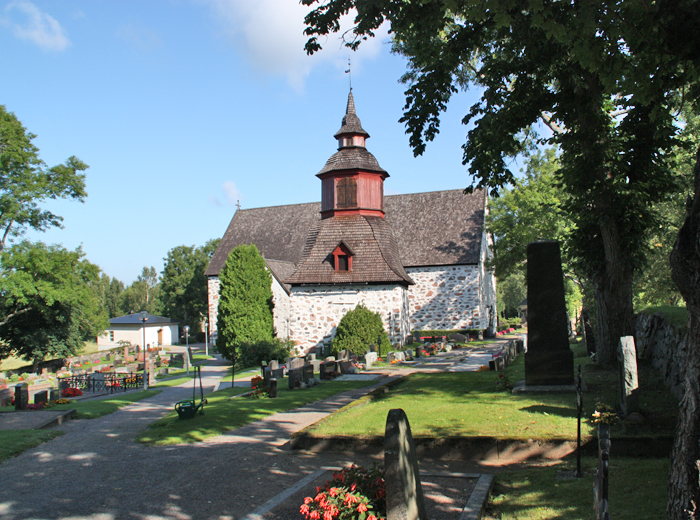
375	258
434	228
354	158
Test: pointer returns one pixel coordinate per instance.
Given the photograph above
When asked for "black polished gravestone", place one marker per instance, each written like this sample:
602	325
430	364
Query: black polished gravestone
549	360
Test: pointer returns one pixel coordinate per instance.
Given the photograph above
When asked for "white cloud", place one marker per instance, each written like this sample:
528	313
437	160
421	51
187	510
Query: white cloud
269	33
232	193
28	22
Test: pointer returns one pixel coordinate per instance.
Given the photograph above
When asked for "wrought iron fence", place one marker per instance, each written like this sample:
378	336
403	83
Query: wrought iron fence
102	382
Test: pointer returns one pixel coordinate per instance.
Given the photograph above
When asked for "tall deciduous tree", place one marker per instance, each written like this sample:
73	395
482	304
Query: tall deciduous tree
245	301
49	305
25	181
603	76
566	65
183	289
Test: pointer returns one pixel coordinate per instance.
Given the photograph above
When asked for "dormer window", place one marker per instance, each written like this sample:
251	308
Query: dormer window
342	258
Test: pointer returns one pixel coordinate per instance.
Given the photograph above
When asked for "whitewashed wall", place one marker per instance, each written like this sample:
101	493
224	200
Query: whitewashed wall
280	312
445	298
317	310
134	334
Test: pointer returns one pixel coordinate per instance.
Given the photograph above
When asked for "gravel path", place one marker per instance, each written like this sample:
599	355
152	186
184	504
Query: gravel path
97	471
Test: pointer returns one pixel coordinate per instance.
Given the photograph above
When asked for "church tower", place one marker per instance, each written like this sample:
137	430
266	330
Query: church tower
352	182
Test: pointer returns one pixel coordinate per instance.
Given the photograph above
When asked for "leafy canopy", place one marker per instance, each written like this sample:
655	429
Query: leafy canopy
25	181
49	305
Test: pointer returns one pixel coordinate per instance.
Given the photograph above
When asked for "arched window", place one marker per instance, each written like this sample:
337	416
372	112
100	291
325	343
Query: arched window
346	193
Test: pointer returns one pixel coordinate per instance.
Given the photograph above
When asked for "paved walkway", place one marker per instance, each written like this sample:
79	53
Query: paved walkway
97	471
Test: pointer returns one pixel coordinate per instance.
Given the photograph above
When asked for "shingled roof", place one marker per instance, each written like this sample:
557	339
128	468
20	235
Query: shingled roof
357	158
281	271
434	228
375	253
351	123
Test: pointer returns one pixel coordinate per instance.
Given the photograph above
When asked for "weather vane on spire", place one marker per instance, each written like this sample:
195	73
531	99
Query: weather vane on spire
348	72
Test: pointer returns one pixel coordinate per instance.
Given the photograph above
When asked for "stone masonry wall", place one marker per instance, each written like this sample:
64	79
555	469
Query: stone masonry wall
317	310
445	298
665	347
280	312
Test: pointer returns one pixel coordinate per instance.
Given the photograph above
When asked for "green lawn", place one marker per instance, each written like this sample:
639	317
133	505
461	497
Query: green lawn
93	408
637	491
14	442
223	413
468	404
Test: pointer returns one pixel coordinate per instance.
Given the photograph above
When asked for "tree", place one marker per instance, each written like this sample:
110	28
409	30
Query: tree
49	306
567	66
109	292
183	289
143	294
604	77
245	301
25	181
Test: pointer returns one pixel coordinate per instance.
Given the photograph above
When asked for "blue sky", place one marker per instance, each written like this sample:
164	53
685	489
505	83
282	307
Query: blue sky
183	107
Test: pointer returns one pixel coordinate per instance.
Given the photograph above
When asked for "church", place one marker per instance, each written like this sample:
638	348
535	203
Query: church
419	260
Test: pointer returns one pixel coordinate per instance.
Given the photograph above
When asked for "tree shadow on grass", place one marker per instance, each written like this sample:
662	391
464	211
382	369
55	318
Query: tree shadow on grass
550	410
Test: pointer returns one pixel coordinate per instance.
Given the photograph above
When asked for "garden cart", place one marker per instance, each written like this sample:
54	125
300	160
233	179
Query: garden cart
186	409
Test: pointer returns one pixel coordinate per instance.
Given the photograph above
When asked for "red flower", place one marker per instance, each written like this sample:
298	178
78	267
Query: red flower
361	508
327	516
350	499
371	517
315	515
307	500
304	510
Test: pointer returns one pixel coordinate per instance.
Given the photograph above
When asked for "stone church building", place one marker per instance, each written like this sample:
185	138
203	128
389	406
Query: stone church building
417	259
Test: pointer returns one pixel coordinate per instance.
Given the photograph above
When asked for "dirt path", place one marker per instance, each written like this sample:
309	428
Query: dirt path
97	471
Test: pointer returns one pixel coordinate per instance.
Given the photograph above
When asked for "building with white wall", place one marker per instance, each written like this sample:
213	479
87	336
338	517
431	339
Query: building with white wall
159	331
417	259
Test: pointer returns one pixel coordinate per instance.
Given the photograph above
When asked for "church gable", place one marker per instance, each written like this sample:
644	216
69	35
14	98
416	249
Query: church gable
367	239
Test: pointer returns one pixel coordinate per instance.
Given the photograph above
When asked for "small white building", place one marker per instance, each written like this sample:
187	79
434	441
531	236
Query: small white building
159	331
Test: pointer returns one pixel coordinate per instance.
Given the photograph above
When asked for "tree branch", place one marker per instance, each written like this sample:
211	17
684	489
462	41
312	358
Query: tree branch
12	315
547	120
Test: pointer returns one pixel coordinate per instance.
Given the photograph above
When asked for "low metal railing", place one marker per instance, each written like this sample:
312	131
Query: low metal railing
102	382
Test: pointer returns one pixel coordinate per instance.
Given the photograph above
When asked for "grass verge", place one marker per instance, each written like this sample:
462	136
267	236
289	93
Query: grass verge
466	404
637	491
93	408
223	413
14	442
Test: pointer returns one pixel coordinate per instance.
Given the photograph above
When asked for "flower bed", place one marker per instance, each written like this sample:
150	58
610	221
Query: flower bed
355	493
71	392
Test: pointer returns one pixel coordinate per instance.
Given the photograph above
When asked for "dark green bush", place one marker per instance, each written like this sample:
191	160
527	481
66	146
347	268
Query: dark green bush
252	354
358	329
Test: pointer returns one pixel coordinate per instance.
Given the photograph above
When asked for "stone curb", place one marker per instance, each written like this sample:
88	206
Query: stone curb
59	419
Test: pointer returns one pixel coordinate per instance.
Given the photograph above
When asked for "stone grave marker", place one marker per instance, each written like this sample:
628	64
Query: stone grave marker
295	377
53	394
345	367
549	360
416	336
295	363
370	357
21	397
343	354
629	383
307	372
404	493
458	338
41	397
327	369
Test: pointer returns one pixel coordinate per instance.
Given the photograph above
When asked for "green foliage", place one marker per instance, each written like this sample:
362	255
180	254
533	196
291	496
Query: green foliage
358	329
49	307
245	301
252	354
676	316
143	294
511	292
183	289
25	181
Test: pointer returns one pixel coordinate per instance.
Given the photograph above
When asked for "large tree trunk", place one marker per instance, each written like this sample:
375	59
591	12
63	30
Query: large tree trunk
683	485
613	295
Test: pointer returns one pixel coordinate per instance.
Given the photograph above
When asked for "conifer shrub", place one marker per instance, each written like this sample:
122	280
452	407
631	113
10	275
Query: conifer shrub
358	329
245	301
